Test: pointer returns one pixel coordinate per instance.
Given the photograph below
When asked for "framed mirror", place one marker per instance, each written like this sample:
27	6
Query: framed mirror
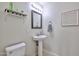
36	20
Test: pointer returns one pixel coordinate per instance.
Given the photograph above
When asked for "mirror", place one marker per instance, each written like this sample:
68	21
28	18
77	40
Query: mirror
36	20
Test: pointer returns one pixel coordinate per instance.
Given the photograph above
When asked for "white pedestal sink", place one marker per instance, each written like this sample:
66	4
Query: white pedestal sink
39	40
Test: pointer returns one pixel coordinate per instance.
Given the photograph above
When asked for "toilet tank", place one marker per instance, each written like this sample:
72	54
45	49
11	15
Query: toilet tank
16	49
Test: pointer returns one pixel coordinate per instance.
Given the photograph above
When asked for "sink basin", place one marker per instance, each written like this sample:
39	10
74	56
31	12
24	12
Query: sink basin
39	37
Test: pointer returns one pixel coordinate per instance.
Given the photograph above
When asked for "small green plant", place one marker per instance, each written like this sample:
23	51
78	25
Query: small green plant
11	6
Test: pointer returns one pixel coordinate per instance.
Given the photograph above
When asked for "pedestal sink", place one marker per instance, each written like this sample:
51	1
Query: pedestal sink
38	39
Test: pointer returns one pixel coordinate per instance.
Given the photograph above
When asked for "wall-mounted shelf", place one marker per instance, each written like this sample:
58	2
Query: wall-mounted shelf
15	12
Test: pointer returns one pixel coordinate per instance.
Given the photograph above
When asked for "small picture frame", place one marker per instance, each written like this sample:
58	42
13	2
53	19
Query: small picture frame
70	18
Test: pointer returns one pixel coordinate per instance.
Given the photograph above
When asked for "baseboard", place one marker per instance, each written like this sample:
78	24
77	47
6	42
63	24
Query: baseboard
48	53
2	54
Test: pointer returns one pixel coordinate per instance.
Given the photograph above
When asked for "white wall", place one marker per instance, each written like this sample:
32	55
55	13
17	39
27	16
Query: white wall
63	40
14	29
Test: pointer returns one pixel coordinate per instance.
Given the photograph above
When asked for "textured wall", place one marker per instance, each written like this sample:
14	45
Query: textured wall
63	40
16	29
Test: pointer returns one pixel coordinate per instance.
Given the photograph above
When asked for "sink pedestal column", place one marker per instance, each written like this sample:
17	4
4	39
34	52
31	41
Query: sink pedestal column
40	48
38	40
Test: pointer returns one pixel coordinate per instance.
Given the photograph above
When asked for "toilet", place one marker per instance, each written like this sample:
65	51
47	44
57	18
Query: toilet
16	49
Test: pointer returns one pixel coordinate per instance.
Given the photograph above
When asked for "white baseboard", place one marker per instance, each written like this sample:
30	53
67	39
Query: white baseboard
48	53
2	54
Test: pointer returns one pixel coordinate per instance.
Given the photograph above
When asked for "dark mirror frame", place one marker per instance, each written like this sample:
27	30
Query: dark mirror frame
32	20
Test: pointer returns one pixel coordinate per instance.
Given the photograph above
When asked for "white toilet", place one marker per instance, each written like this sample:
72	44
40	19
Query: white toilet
16	50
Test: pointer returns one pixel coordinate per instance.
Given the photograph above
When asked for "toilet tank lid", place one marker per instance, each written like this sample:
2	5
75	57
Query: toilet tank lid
16	46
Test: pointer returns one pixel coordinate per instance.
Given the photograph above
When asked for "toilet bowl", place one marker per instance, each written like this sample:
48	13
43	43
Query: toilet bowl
16	49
